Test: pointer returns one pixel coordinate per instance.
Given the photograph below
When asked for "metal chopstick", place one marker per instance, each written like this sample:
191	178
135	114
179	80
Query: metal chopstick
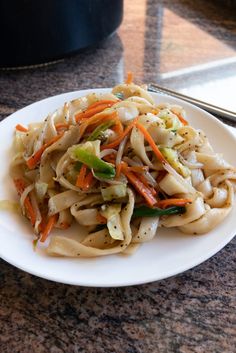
224	113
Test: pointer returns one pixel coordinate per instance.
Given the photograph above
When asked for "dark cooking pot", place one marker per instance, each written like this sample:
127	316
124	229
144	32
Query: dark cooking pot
34	32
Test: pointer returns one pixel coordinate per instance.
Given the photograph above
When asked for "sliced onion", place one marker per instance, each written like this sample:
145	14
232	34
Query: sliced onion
121	150
37	212
25	194
106	152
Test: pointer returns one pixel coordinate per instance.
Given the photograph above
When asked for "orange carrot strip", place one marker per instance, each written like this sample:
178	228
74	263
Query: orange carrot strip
110	158
33	160
20	187
50	224
173	202
64	225
20	127
88	180
91	111
183	121
62	126
118	127
81	176
95	119
129	78
104	101
121	137
101	219
118	170
151	142
140	187
145	182
138	169
30	210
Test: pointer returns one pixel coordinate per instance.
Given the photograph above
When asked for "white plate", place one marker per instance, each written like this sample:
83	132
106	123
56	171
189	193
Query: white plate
168	254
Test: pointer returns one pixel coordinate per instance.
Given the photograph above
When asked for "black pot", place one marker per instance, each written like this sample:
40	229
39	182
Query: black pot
34	32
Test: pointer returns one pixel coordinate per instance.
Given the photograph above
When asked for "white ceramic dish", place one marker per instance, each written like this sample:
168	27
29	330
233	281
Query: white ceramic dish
170	253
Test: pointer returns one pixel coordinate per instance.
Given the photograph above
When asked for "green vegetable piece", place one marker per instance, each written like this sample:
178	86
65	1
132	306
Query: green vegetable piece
97	133
78	166
119	95
145	211
100	167
172	157
114	192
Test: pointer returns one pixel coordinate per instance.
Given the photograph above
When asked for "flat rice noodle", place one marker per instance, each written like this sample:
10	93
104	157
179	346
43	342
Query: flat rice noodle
147	230
211	218
62	246
137	143
63	201
212	161
69	138
193	211
130	90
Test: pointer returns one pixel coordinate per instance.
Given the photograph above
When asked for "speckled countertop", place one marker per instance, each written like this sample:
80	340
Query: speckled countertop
185	45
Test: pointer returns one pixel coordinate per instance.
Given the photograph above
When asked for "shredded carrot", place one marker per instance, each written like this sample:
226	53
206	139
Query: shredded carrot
64	225
145	182
137	168
50	224
101	219
33	160
20	127
20	187
60	126
129	78
103	101
140	187
96	119
118	170
110	158
173	202
121	137
88	180
91	111
118	127
183	121
151	142
81	176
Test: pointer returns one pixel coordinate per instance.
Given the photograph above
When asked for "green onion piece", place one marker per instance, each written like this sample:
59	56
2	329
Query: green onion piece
35	243
119	95
78	166
144	211
97	133
103	169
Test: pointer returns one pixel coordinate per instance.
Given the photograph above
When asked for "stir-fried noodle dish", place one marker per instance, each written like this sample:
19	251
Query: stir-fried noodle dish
120	165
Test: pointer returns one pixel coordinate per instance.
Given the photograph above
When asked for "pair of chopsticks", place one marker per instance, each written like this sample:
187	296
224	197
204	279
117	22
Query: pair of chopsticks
224	113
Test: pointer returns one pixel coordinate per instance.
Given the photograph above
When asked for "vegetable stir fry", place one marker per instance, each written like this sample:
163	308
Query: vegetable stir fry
120	165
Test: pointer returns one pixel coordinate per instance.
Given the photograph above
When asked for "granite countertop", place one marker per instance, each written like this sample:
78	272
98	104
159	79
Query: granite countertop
185	45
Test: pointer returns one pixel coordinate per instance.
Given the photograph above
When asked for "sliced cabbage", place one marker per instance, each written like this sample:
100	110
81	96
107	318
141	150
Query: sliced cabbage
41	189
172	157
112	214
113	192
